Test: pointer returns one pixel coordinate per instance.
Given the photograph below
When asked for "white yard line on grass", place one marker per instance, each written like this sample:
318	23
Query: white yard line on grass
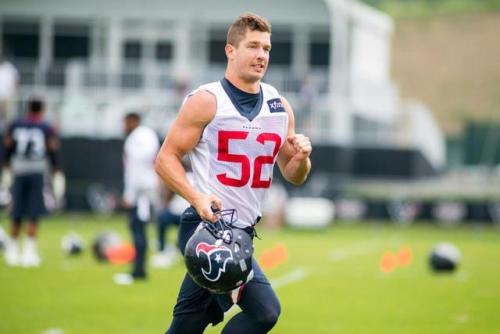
53	331
294	276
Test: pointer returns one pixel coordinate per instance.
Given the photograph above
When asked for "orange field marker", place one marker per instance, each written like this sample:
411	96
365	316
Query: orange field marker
388	262
405	256
121	254
273	257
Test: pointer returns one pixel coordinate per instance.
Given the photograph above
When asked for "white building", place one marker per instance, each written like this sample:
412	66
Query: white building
96	60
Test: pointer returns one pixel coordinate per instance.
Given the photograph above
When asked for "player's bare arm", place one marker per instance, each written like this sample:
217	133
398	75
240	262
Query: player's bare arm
183	136
53	144
8	144
293	158
6	180
53	149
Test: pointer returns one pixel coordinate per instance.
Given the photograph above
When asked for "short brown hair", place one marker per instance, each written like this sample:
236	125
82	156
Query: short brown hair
245	21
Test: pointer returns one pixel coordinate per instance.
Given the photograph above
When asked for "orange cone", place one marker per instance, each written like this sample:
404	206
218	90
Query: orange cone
273	257
121	254
405	256
388	262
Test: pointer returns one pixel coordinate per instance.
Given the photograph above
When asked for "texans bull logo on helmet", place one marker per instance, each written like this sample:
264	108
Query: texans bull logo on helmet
218	256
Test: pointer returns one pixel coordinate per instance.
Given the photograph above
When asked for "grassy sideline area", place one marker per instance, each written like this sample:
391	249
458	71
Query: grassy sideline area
330	283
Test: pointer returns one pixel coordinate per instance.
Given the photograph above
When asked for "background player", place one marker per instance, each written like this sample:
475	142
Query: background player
168	217
140	194
233	131
30	144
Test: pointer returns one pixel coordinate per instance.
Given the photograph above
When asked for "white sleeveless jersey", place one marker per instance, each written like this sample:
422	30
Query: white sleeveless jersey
234	158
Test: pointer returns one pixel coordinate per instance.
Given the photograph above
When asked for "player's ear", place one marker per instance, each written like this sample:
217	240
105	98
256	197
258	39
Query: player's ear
229	49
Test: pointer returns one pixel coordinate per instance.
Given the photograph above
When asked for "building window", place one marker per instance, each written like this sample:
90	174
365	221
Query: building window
281	52
319	49
216	53
319	54
132	50
216	44
164	51
21	39
71	41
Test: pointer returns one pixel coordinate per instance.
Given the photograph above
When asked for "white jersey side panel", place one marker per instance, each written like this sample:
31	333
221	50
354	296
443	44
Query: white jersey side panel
235	156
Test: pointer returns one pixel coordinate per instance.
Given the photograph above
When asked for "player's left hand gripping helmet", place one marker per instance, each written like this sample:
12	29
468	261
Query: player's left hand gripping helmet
218	255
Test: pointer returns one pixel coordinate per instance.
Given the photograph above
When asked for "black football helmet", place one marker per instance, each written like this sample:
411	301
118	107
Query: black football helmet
218	256
103	242
72	244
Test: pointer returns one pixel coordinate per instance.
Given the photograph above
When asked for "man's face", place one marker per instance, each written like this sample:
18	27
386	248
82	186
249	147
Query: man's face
251	57
129	125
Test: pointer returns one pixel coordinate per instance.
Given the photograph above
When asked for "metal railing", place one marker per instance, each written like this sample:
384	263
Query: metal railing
90	99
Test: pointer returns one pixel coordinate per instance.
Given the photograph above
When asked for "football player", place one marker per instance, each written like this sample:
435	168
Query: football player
30	143
234	131
140	194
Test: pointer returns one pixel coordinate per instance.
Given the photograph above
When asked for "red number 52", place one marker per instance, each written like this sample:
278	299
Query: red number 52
224	155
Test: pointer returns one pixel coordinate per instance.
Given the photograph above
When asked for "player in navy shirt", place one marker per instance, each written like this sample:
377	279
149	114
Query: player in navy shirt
30	146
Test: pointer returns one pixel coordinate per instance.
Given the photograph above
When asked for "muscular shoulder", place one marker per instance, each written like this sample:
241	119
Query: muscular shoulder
269	89
202	97
200	106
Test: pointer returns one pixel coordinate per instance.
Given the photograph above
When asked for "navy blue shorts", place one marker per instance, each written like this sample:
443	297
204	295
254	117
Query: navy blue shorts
27	197
195	299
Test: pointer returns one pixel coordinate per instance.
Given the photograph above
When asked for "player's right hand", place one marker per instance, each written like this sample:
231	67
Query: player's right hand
58	185
205	205
6	180
125	205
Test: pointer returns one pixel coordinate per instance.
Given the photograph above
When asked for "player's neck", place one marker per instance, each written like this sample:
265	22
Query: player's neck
249	87
34	117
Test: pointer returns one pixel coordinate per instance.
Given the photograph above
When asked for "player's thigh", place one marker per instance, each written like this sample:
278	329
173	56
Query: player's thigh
258	296
34	197
195	302
19	196
17	188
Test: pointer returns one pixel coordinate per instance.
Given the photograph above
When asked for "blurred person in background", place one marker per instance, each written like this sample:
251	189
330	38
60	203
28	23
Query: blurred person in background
30	145
168	217
9	81
141	186
273	207
233	131
308	96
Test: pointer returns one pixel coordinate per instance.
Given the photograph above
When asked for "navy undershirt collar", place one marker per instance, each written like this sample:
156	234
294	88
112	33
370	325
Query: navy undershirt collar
247	104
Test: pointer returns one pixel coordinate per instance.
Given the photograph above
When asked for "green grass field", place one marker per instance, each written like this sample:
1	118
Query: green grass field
331	283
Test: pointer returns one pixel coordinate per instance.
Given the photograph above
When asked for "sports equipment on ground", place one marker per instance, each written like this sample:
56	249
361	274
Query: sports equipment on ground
72	244
103	243
444	257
